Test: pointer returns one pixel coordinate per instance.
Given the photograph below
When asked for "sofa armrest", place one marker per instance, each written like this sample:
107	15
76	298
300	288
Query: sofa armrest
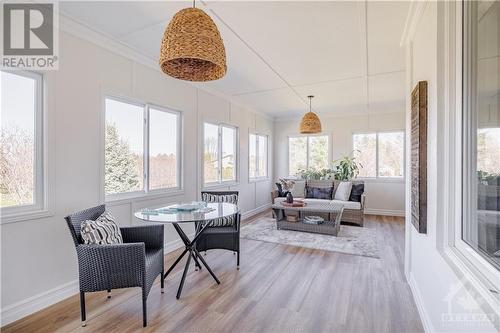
363	198
274	195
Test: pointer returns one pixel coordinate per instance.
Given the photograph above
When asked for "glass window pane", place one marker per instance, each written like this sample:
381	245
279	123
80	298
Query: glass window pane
252	156
481	219
228	153
262	156
297	155
163	157
390	154
365	151
210	153
124	147
318	152
17	146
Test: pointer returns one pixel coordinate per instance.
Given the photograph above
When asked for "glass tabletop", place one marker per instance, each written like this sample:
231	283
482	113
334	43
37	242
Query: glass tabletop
167	215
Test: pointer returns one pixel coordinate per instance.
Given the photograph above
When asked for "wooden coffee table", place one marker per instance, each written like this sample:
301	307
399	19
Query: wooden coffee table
331	226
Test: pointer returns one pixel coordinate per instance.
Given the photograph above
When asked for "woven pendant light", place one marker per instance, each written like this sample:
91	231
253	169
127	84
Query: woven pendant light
192	48
310	123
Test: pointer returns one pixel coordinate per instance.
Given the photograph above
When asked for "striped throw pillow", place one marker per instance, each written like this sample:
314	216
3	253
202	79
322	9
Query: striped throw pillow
227	221
103	230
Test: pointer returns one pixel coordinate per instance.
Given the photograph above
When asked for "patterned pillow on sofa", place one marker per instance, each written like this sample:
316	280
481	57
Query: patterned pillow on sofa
103	230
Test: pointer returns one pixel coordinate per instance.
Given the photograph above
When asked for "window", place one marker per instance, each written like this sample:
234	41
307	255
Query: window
307	152
142	148
219	153
380	154
480	227
21	146
257	156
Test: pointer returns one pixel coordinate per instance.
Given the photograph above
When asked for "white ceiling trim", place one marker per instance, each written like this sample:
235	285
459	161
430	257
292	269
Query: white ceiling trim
81	30
415	12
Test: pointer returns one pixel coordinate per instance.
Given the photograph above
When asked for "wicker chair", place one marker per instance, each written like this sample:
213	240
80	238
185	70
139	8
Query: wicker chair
135	263
223	233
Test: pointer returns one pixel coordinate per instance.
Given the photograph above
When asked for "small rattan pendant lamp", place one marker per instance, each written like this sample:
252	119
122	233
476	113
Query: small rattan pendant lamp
310	123
192	48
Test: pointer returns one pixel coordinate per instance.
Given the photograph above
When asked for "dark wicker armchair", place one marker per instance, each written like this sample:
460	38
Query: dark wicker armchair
135	263
223	233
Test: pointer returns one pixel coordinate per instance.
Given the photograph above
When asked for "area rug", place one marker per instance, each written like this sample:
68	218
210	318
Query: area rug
359	241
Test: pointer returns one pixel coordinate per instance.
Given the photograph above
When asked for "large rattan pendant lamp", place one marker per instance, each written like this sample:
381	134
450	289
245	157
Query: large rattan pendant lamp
310	123
192	48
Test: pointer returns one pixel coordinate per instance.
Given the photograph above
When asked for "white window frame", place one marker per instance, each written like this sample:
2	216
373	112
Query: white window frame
377	160
257	157
145	192
329	148
219	181
40	207
472	269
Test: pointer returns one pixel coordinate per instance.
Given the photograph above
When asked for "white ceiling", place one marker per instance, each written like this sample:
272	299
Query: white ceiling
347	54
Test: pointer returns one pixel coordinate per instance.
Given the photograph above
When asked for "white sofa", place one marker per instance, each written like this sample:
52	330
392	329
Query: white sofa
353	210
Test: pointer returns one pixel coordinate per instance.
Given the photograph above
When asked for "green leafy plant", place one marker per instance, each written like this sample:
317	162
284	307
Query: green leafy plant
487	178
316	174
346	168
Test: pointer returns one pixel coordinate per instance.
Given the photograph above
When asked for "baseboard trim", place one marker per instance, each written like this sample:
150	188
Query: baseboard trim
255	211
417	297
18	310
385	212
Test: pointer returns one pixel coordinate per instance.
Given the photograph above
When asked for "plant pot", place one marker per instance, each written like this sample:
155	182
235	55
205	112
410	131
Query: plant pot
289	198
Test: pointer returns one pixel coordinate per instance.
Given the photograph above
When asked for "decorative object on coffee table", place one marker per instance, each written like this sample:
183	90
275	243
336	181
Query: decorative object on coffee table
294	203
419	157
287	185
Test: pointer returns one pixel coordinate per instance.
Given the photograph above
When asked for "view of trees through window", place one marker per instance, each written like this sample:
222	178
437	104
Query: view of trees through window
17	139
124	148
219	138
307	152
380	154
257	159
481	129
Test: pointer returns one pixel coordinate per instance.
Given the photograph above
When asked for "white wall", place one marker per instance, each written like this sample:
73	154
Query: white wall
382	196
38	263
437	289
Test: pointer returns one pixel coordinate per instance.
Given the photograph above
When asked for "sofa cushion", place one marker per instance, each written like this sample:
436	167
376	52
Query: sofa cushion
343	191
312	201
356	192
348	204
319	192
299	189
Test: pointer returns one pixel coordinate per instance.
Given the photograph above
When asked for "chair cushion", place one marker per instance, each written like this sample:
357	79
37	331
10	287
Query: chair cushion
230	198
223	222
102	230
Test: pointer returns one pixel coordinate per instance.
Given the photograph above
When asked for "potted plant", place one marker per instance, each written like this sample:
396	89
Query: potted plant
346	168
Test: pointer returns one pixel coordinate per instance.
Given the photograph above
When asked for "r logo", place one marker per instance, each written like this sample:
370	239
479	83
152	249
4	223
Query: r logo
28	29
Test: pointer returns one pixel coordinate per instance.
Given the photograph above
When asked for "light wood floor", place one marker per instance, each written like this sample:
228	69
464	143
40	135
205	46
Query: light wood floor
278	289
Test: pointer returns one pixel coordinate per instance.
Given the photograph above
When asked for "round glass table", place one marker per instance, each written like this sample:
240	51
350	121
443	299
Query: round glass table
201	218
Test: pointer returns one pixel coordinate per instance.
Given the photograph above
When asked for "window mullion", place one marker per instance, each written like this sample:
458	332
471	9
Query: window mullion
146	149
219	154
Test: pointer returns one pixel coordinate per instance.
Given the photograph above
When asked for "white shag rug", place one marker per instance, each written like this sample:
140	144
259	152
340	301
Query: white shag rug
359	241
